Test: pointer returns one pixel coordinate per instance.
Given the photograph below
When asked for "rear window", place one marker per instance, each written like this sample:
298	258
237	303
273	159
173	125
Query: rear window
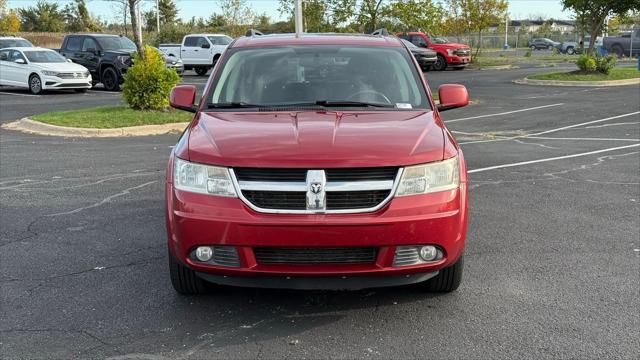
289	75
5	43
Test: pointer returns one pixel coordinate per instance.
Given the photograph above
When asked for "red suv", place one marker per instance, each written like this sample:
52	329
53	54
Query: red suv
456	56
316	162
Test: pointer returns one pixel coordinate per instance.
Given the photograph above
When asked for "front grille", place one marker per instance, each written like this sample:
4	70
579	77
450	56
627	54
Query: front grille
316	191
462	52
315	256
77	75
286	200
339	200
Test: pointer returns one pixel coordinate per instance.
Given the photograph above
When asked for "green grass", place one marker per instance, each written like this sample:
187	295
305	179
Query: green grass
112	117
616	74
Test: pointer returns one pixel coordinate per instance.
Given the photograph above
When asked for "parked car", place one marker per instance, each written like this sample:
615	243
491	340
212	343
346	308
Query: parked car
573	47
626	44
449	54
425	57
316	162
107	56
542	44
198	51
39	69
172	62
11	41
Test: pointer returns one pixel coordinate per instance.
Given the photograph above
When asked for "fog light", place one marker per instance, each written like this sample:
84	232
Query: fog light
204	253
428	253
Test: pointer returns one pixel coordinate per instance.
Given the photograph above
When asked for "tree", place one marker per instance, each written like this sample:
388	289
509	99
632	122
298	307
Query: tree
421	15
78	18
168	11
238	15
137	36
122	7
370	12
321	15
477	15
44	17
595	12
9	21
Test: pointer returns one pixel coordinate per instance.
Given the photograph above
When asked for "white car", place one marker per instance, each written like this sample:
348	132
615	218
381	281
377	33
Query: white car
39	69
12	41
198	51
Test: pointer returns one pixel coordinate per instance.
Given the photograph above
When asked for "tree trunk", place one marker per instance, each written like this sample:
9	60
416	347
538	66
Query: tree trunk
137	37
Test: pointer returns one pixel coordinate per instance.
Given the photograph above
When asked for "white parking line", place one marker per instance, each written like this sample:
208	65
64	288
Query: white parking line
581	139
8	93
552	130
502	113
551	159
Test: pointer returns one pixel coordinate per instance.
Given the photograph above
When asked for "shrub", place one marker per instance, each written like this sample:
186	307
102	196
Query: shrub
586	63
604	64
528	53
148	82
554	51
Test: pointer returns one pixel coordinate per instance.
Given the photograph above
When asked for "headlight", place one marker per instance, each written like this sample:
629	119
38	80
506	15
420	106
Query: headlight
125	60
429	178
450	52
86	74
202	179
50	73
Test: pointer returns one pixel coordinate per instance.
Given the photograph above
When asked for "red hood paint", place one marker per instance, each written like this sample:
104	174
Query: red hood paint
449	46
316	139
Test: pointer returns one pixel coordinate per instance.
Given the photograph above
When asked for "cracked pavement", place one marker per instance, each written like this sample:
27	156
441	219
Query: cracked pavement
551	263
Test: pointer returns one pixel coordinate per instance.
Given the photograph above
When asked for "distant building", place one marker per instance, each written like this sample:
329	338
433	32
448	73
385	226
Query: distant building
532	26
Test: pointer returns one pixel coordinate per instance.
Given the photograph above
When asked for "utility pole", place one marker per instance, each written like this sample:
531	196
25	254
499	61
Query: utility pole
506	31
158	16
297	16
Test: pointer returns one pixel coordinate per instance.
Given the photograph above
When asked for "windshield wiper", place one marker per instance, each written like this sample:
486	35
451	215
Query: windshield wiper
341	103
232	105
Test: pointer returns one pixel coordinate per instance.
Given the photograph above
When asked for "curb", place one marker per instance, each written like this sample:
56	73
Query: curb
500	67
527	81
35	127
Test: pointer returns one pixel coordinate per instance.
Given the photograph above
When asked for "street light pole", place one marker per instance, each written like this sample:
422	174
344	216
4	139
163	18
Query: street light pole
158	15
506	31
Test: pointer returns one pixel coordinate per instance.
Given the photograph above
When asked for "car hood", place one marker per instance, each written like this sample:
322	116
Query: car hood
452	46
316	139
61	67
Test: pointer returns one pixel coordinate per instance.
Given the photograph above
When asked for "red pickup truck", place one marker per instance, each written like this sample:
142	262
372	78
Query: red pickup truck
316	162
456	56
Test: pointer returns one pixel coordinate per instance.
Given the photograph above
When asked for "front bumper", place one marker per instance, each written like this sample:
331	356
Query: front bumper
459	60
179	68
54	82
432	219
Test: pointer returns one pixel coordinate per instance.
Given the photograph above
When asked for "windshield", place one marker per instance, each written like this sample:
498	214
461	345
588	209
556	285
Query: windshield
326	76
44	56
110	43
220	40
5	43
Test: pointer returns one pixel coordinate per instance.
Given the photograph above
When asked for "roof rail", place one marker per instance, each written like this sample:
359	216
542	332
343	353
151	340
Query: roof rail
381	32
253	32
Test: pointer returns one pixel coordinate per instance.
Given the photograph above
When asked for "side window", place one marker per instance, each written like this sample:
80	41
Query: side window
74	43
418	41
15	55
4	55
201	41
89	43
191	41
405	37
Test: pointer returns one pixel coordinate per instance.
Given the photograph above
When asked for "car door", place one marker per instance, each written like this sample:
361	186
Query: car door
89	55
191	50
5	67
419	41
19	74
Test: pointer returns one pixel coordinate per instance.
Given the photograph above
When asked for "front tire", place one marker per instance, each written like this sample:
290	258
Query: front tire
35	84
617	49
532	47
571	51
448	279
201	70
184	280
110	79
82	91
440	64
426	68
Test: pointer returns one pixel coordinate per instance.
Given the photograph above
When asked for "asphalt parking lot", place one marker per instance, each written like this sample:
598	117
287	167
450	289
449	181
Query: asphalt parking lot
552	258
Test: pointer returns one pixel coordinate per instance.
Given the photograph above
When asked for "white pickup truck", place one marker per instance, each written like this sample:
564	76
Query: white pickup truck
198	51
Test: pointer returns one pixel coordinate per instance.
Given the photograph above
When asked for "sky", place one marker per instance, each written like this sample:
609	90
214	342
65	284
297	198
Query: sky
518	9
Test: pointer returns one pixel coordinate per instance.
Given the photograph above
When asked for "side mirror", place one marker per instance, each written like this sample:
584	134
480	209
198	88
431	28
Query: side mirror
19	61
205	46
182	97
452	96
69	60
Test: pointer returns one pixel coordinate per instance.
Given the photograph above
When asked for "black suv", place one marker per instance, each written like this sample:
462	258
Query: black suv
107	56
